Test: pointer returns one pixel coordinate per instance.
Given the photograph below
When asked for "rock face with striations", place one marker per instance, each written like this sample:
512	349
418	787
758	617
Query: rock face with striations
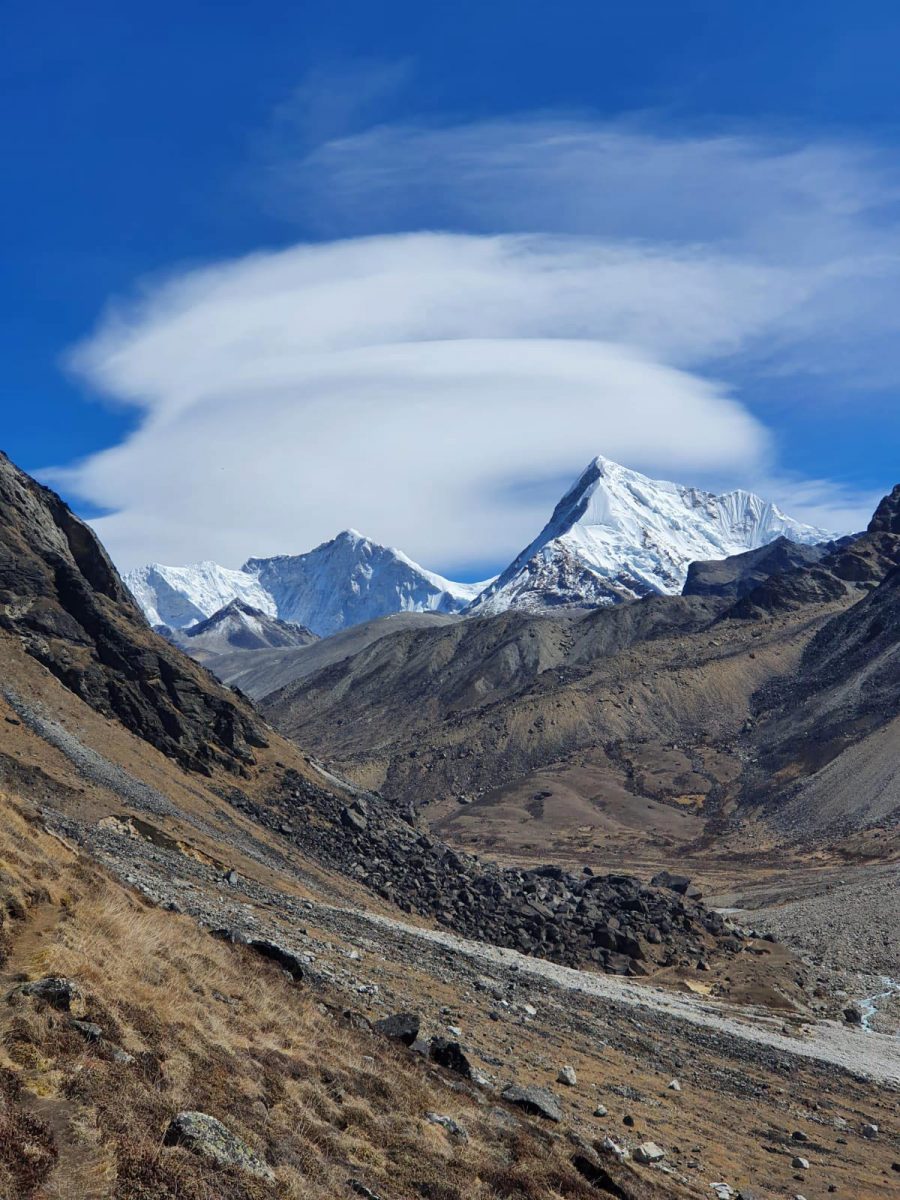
62	598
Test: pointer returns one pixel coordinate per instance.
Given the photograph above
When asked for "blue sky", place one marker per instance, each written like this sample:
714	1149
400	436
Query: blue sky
487	241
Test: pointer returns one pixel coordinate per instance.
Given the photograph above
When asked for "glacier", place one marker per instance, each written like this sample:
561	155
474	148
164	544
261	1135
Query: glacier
182	596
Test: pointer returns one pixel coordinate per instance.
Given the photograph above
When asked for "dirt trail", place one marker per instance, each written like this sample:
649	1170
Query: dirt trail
864	1053
80	1172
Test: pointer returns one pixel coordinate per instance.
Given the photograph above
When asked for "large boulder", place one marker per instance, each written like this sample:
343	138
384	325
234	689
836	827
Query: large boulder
537	1101
59	993
401	1027
449	1055
208	1137
286	959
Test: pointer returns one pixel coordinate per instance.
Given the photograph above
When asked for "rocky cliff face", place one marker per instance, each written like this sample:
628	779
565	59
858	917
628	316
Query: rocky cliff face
741	573
62	598
851	566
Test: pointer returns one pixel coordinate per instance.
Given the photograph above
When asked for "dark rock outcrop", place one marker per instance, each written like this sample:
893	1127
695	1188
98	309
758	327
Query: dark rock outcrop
286	959
450	1056
62	597
739	574
851	566
401	1027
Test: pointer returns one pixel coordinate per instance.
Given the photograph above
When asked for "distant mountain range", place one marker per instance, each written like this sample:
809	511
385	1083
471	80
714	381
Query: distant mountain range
343	582
615	535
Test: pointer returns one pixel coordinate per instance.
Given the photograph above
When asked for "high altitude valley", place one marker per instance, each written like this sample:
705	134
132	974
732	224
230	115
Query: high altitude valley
518	900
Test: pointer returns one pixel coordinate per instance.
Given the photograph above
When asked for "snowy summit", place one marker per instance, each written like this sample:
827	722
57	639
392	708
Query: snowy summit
618	535
615	535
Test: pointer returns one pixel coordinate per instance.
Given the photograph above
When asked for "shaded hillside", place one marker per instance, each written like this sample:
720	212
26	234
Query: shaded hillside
61	596
264	671
741	573
824	732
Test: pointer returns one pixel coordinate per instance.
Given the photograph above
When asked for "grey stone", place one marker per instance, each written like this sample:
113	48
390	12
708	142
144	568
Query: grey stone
60	993
536	1101
649	1152
207	1137
567	1076
360	1189
286	959
88	1030
453	1127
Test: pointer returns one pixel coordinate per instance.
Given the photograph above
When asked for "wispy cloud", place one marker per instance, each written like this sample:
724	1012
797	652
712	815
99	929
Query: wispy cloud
607	282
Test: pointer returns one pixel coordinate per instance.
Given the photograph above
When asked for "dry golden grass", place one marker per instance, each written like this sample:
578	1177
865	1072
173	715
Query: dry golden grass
213	1028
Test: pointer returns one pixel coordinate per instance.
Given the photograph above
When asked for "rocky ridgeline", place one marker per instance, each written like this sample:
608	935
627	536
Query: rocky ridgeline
61	597
613	921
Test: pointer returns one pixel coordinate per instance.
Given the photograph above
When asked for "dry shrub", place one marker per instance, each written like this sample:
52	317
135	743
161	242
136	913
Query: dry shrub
27	1148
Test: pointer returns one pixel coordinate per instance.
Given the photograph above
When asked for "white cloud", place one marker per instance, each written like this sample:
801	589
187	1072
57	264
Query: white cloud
395	384
404	383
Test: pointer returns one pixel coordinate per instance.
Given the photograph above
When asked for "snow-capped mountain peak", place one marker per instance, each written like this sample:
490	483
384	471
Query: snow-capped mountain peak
345	581
618	535
352	579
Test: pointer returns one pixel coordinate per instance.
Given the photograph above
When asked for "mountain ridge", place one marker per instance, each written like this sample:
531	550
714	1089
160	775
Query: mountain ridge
615	535
618	535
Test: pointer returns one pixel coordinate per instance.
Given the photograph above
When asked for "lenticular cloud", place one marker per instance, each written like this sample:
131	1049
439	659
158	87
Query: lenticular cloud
402	385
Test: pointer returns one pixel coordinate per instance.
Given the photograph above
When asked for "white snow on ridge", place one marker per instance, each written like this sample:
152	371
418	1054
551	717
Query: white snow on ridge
618	535
181	596
343	582
352	579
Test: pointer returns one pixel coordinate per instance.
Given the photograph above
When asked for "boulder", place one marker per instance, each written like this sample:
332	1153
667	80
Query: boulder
681	884
649	1152
537	1101
401	1027
209	1138
286	959
354	818
449	1055
452	1127
567	1076
590	1168
63	994
88	1030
